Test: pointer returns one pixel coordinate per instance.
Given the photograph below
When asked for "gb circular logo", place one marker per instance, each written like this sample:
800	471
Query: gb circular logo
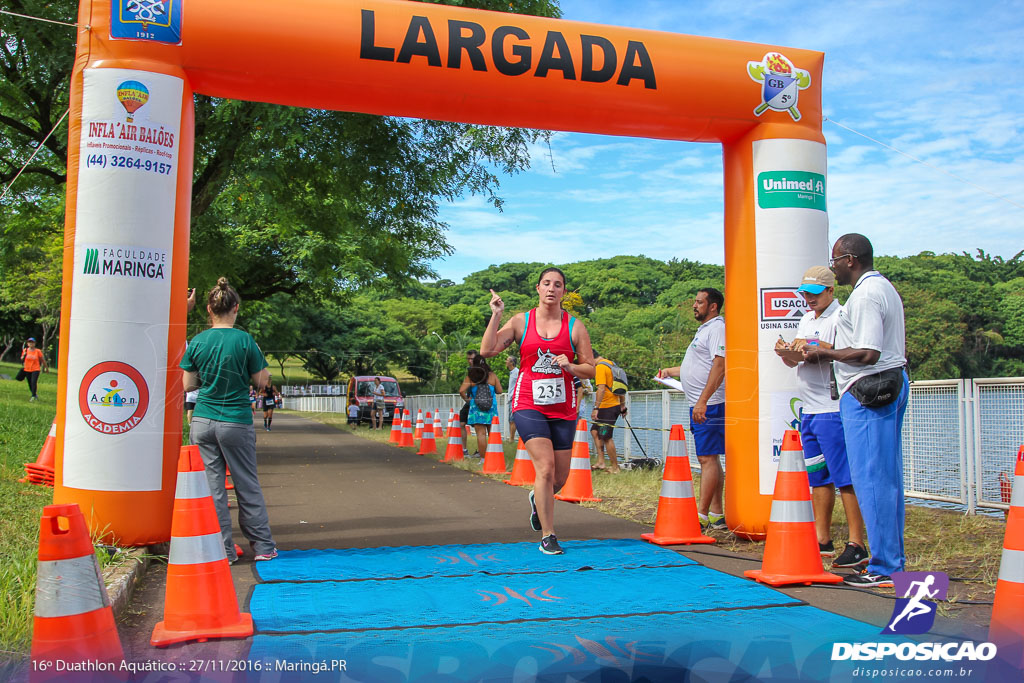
113	397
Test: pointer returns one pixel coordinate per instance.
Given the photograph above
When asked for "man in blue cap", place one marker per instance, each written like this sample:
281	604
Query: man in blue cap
821	429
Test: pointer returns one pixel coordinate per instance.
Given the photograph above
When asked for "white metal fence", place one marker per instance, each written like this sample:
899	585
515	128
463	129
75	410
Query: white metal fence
960	437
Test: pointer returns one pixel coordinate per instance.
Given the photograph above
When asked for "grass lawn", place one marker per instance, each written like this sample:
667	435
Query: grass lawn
23	429
965	547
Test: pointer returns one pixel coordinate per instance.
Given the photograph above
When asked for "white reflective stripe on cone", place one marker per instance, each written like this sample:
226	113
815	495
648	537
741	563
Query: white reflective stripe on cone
457	440
791	461
192	485
1011	567
791	511
1017	499
676	449
522	455
65	588
53	430
495	448
581	437
196	549
580	464
677	489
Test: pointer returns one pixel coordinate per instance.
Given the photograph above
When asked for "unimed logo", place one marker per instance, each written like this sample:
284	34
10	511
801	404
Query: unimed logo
92	262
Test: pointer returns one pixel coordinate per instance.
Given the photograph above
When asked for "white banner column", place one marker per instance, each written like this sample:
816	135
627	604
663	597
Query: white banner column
122	329
776	226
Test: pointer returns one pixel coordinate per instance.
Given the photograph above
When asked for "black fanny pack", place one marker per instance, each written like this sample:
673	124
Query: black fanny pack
881	389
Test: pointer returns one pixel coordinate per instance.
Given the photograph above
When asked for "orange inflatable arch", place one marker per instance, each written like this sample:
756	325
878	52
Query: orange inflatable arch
130	156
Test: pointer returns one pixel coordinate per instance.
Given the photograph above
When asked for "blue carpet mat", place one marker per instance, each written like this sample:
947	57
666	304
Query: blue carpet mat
375	604
457	560
770	644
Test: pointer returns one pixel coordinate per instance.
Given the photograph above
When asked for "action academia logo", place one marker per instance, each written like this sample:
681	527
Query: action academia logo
113	397
781	83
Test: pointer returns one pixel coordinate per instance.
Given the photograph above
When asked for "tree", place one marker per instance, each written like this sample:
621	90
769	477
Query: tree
283	199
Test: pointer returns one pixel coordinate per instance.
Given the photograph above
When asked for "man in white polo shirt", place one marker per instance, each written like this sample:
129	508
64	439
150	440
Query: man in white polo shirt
702	375
821	429
869	359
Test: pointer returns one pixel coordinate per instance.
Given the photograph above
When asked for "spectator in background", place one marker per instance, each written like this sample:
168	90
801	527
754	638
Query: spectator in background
377	392
481	379
869	360
607	407
702	374
227	360
511	362
32	359
353	414
471	355
821	428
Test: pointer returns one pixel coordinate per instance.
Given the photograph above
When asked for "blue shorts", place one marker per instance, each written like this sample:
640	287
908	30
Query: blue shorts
825	449
532	424
709	436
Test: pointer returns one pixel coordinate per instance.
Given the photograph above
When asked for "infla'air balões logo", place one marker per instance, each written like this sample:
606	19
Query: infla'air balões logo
155	20
113	397
781	83
132	95
912	614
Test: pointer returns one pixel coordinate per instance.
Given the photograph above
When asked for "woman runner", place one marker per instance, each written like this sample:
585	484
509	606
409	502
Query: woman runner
554	348
269	401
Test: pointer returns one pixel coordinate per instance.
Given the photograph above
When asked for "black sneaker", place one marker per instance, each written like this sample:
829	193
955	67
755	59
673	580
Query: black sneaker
534	517
549	546
827	549
866	579
852	557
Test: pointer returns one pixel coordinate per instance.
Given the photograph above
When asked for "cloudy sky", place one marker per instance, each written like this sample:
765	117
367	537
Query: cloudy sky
940	81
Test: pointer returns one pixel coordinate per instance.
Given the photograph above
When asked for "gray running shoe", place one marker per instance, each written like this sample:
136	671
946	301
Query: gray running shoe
549	546
534	517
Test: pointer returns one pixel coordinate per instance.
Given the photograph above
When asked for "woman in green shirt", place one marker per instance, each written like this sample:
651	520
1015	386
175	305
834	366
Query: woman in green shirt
222	362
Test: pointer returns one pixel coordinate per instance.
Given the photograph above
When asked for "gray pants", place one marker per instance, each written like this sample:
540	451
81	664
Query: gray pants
234	443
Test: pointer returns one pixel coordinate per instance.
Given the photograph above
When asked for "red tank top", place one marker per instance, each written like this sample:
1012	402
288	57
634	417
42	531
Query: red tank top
542	385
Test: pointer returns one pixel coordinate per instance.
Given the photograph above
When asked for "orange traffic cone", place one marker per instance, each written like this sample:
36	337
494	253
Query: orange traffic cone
451	416
228	486
523	473
791	552
454	450
41	471
200	603
1006	628
427	443
494	456
677	523
407	441
579	486
73	618
438	428
418	432
396	428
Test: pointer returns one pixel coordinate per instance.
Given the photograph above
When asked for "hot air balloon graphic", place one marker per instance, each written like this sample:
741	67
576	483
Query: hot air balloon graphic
132	95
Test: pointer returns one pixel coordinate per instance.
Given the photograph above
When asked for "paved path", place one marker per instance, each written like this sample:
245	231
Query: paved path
329	489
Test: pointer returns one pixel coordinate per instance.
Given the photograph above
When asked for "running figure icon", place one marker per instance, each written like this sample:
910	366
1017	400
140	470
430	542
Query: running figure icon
916	606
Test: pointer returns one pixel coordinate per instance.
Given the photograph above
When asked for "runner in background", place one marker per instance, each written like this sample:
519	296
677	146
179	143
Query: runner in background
32	359
554	348
269	401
